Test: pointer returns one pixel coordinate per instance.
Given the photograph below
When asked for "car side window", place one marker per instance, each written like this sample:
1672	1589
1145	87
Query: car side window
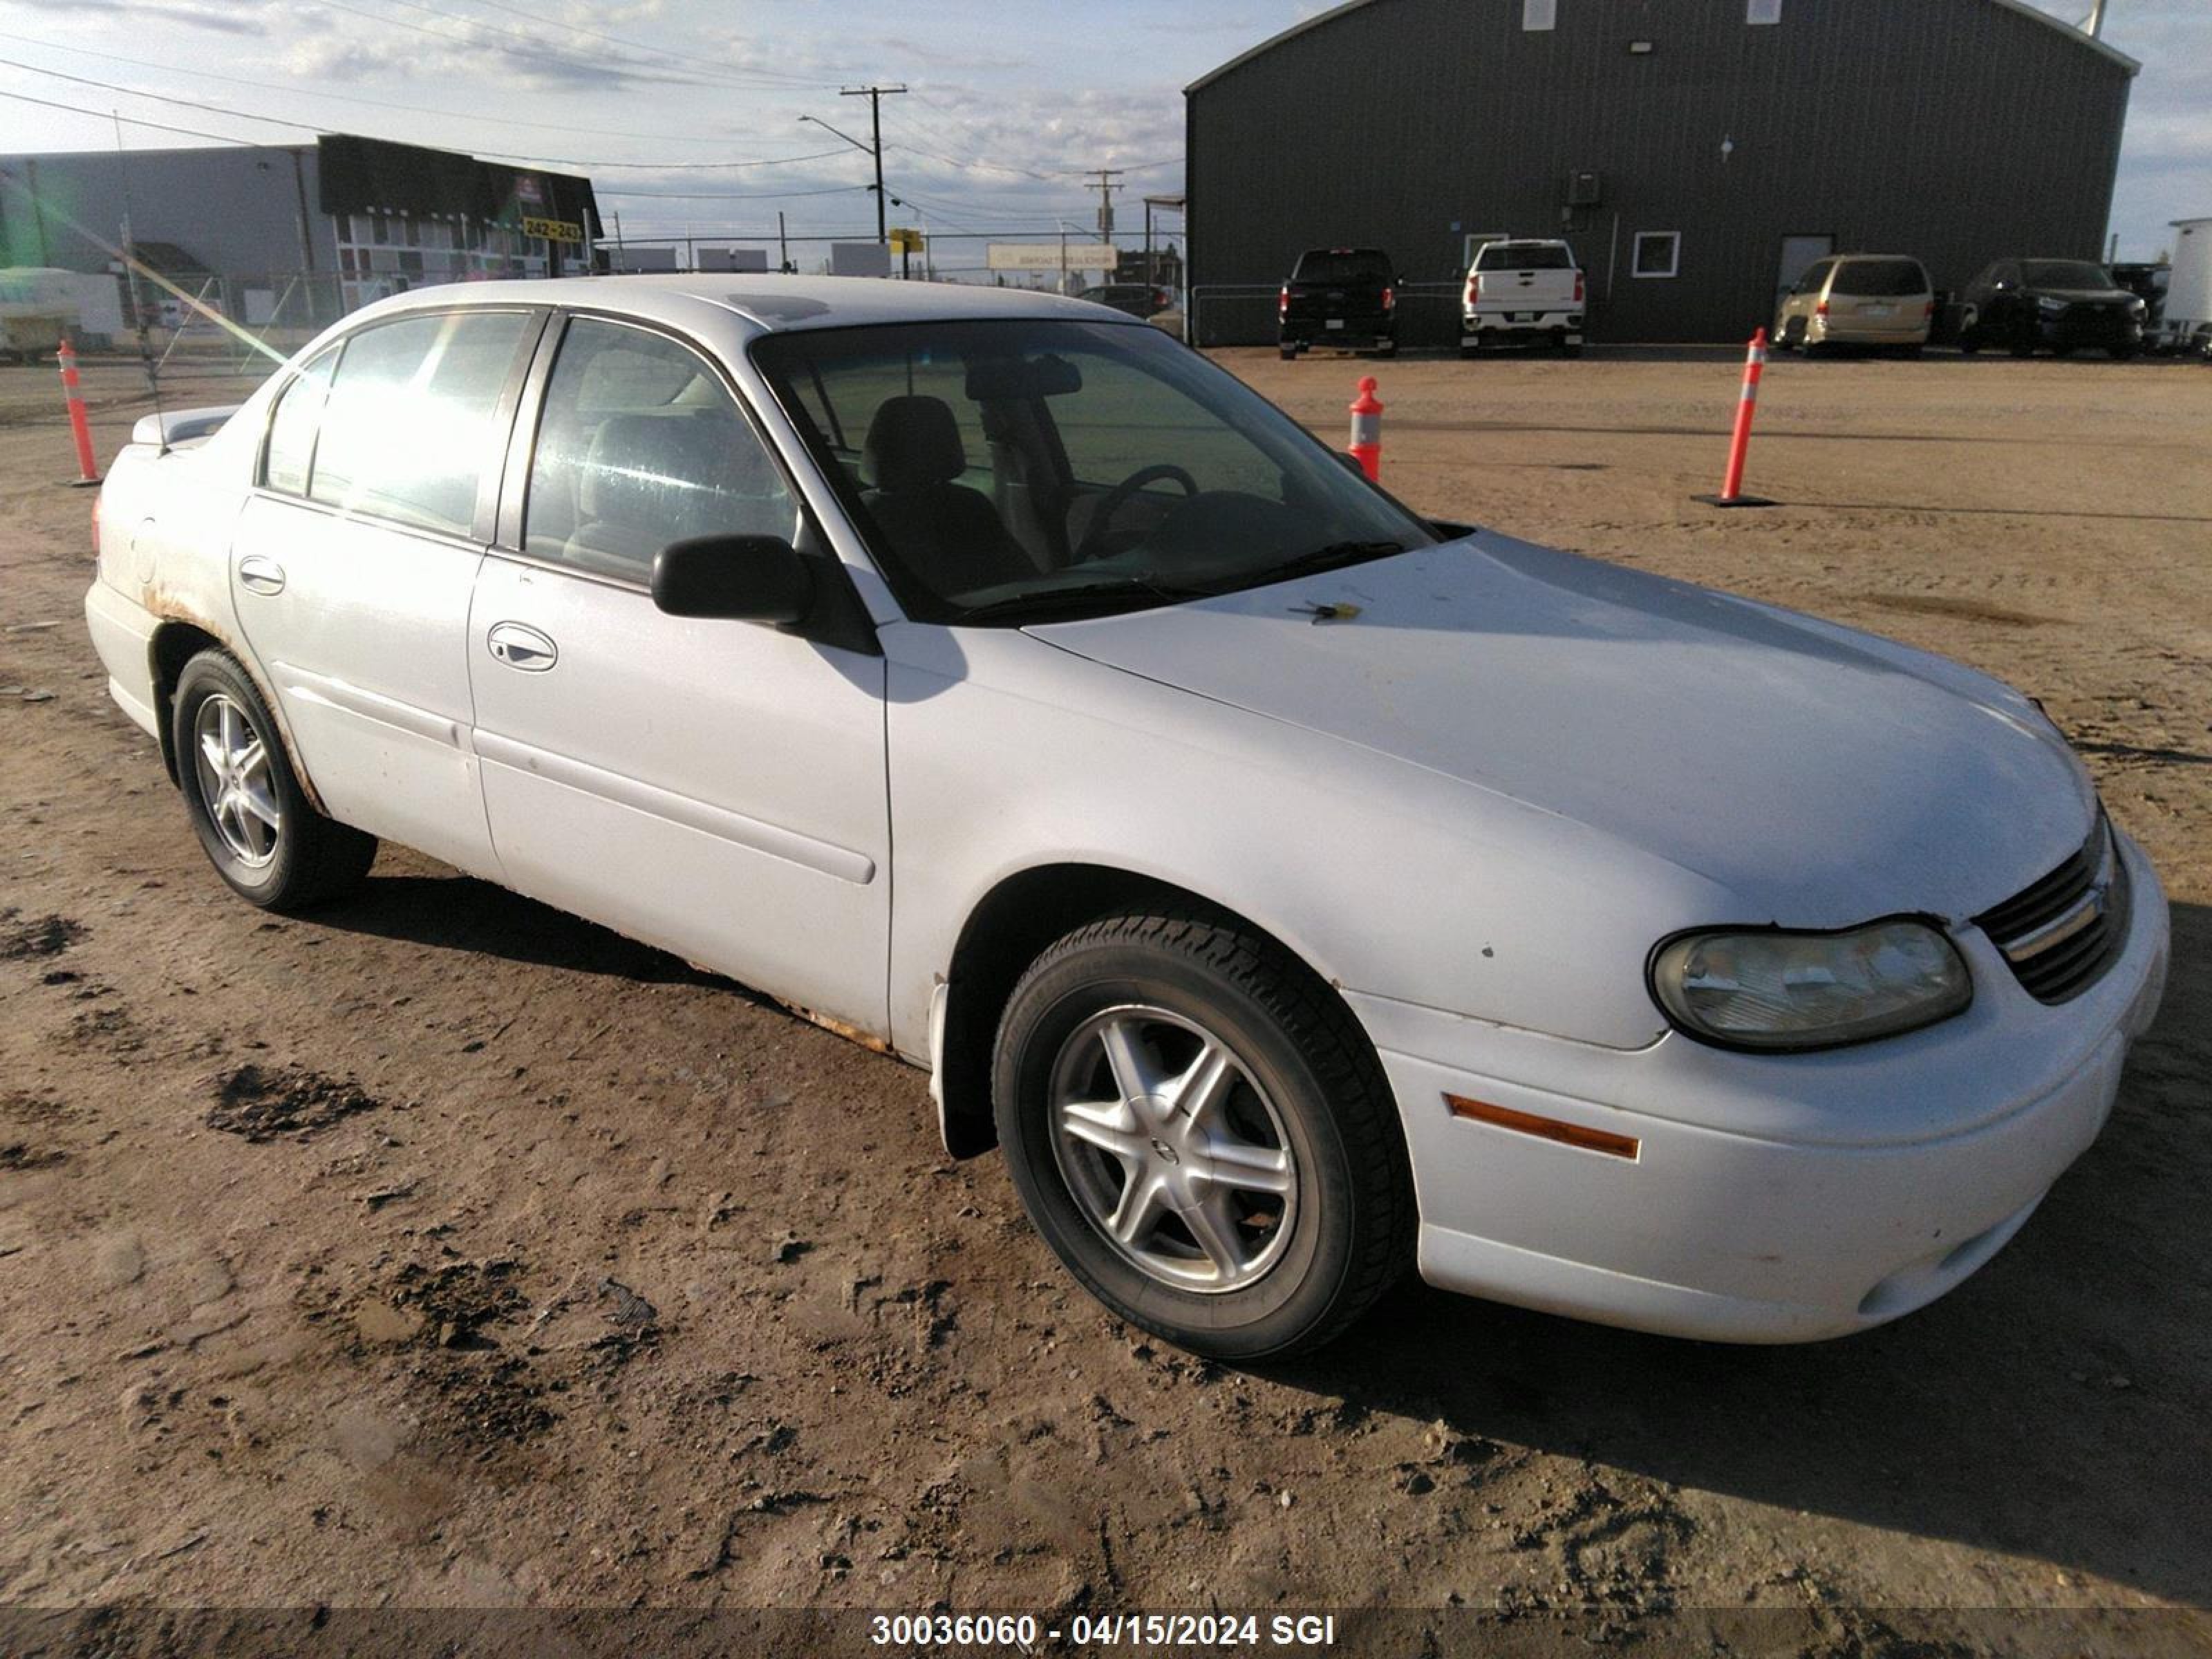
1815	278
640	445
292	426
407	429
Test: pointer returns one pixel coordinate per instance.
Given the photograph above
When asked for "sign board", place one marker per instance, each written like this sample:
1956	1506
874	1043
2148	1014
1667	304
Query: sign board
635	260
732	259
859	260
905	240
1046	256
553	230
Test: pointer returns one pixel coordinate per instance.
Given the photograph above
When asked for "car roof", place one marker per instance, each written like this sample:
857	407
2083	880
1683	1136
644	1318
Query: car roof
762	303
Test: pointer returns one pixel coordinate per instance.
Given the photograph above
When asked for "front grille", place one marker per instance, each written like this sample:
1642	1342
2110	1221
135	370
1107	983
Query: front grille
2060	935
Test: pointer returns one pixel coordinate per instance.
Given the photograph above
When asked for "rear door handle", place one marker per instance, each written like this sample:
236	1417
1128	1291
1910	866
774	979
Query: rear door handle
521	646
262	576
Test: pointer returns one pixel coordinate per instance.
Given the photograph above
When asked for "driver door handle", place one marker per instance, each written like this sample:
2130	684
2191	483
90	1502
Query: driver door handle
521	646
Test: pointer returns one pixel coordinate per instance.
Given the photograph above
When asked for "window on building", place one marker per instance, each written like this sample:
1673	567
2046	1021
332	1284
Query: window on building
640	445
382	229
292	427
408	429
1658	253
1540	13
1763	11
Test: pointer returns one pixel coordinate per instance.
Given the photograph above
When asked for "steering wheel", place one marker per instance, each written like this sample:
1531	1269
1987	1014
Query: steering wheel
1110	503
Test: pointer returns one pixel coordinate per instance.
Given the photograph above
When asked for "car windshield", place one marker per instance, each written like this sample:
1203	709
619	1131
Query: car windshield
2063	273
1342	265
1524	256
1877	279
1004	472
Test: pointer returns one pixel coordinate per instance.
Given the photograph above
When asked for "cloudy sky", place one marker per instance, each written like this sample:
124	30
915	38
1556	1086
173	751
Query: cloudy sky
686	113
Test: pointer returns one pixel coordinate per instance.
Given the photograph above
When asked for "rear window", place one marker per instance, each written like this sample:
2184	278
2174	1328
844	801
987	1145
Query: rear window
1524	256
1879	279
1355	264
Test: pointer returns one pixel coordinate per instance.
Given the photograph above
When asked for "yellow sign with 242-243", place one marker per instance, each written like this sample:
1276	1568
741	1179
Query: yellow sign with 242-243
553	230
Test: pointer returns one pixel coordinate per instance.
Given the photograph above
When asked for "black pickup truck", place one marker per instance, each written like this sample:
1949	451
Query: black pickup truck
1340	296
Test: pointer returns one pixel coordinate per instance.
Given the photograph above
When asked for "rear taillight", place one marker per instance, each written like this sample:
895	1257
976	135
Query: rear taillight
1283	302
1821	309
1474	290
1578	288
1389	298
1927	310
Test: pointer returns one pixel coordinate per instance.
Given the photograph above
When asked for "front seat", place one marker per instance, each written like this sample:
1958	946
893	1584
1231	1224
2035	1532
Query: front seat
949	535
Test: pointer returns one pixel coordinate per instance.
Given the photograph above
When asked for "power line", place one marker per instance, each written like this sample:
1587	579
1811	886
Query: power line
502	155
127	120
349	98
718	196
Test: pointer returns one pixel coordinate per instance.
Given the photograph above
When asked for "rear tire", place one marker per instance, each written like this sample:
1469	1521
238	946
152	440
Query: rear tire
252	817
1290	353
1104	1044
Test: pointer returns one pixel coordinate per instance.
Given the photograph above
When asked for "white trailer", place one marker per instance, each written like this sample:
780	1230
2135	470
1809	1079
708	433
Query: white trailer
38	307
2188	322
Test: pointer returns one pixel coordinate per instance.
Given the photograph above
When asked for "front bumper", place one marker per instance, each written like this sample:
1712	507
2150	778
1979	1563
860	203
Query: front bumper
1766	1200
2078	327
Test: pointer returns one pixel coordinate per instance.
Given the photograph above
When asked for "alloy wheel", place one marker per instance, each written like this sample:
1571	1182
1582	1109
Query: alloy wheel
1173	1152
230	762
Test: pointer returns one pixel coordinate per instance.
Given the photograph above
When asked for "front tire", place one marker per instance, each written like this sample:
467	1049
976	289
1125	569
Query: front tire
253	819
1201	1132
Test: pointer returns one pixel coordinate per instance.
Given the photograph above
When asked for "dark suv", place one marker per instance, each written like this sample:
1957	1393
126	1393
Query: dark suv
1340	296
2063	304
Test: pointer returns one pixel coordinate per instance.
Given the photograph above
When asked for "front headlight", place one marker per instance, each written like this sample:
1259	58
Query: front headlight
1768	989
2138	307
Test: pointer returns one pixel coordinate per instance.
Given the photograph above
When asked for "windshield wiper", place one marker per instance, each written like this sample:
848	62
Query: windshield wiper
1330	557
1052	599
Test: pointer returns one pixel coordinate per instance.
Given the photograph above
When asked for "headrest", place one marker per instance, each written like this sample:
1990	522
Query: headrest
657	468
913	442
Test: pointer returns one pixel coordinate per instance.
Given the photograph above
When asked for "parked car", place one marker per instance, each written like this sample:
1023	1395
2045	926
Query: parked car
1298	891
1340	296
1882	301
2061	304
1522	292
1131	299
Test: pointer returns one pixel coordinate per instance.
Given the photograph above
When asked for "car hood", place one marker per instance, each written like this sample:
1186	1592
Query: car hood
2075	296
1822	776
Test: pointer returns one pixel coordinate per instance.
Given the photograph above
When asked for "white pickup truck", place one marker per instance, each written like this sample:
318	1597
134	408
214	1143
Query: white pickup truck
1522	292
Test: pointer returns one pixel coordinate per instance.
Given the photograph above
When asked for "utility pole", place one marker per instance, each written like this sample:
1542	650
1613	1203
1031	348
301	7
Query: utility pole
783	245
875	96
1106	177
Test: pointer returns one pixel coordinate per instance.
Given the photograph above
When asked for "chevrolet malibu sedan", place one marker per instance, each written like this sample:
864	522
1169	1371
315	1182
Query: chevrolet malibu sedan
1296	891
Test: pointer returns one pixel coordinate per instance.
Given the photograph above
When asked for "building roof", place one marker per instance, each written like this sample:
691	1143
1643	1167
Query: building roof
771	304
1334	12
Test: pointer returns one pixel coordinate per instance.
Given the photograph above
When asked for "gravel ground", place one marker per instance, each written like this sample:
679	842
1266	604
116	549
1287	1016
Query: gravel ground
444	1251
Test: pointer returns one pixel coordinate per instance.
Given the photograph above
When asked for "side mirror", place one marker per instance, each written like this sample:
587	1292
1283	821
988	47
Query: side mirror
735	578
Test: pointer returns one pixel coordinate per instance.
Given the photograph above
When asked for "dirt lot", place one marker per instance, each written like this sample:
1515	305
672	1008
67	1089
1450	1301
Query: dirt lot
444	1250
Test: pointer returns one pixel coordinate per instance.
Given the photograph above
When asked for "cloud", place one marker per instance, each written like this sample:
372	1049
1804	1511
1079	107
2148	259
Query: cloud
221	21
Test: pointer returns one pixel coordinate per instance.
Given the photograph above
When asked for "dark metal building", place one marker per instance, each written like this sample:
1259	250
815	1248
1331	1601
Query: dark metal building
1697	153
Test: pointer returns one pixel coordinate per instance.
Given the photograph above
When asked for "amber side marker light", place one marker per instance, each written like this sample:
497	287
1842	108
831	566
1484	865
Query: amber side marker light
1544	1128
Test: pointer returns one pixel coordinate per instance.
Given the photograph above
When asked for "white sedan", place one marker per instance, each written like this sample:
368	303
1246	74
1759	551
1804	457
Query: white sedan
1297	889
